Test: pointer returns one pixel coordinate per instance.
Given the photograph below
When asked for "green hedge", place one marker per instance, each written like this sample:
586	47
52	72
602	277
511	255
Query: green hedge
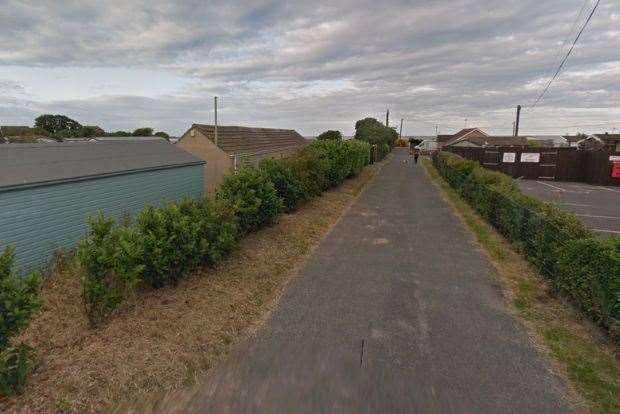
19	299
163	245
253	196
584	268
166	243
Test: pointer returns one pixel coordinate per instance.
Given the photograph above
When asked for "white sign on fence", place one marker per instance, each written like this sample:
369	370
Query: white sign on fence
509	157
614	158
530	157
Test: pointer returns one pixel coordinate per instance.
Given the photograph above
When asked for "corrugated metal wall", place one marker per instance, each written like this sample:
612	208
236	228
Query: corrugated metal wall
39	220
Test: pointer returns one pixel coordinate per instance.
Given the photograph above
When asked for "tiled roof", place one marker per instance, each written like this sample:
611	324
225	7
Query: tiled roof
459	136
498	140
247	140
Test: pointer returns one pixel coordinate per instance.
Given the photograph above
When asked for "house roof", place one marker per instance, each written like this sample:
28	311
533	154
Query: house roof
608	137
13	131
496	140
573	138
463	134
443	138
247	140
35	164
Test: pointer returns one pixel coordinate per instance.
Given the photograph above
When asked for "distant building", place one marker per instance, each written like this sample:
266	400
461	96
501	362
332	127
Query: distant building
573	140
236	145
490	141
606	142
47	191
548	140
462	136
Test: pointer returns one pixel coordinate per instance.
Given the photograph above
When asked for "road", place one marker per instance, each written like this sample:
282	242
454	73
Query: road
397	310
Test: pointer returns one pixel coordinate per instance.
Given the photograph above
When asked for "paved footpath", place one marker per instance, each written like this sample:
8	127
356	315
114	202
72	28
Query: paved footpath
395	311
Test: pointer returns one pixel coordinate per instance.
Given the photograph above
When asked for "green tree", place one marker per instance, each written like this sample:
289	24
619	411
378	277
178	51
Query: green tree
330	135
161	134
55	123
143	132
374	132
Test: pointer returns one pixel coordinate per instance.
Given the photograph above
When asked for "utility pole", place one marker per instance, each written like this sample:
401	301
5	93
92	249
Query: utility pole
400	136
387	118
436	130
517	121
215	129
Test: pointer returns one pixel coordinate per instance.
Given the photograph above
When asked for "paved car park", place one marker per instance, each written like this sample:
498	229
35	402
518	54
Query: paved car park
597	206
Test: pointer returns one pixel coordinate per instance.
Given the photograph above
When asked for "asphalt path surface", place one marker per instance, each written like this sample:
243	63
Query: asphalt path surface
397	310
598	207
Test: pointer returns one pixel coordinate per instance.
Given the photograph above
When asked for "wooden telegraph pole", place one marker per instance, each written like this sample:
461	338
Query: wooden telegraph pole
387	118
400	135
517	121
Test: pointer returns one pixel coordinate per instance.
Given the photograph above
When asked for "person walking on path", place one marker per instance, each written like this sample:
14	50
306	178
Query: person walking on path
416	154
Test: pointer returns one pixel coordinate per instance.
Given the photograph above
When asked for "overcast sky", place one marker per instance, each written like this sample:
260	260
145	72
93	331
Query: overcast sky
311	66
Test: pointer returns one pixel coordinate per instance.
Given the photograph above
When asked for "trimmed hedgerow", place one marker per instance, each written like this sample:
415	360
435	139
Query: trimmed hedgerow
254	197
288	185
584	268
19	299
589	272
166	243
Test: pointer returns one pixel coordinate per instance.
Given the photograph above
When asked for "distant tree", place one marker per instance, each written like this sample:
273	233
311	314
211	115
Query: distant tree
333	135
55	123
374	132
118	134
143	132
161	134
92	131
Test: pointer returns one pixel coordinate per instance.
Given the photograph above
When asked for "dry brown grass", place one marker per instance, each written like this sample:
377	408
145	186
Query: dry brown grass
164	338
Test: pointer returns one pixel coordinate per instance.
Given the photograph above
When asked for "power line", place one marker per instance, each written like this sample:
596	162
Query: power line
557	72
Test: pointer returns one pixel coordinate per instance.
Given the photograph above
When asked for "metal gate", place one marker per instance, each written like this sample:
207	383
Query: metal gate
548	165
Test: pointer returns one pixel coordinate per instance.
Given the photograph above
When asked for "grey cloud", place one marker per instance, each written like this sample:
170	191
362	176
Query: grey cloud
314	65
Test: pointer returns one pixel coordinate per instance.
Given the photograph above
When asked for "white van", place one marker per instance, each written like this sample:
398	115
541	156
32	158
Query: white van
427	146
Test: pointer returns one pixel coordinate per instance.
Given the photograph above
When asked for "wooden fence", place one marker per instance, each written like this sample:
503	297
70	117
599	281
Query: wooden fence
559	164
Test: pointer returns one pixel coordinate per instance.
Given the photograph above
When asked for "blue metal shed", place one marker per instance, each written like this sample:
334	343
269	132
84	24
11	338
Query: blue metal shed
47	191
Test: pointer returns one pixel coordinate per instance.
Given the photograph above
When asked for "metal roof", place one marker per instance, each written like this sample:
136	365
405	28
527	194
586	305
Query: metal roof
36	164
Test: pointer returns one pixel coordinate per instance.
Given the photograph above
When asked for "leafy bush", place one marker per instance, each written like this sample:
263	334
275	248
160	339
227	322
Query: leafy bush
254	197
111	259
309	165
19	299
401	142
218	226
15	364
171	243
584	268
330	135
288	186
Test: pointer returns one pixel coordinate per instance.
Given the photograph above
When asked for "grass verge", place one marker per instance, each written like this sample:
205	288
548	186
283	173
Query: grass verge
166	338
586	356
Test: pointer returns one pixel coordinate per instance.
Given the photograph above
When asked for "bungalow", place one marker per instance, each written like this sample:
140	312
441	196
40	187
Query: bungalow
234	145
573	140
547	140
463	134
605	142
